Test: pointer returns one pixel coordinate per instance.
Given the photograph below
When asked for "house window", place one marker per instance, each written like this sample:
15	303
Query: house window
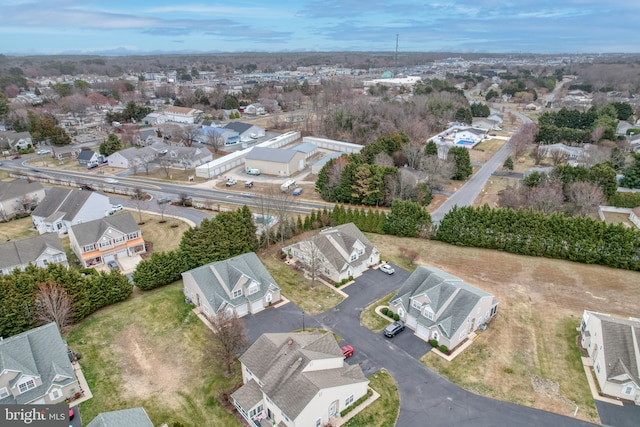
428	313
118	239
55	394
253	288
248	371
132	236
401	312
360	251
4	392
269	297
353	257
45	262
58	258
327	271
319	422
285	417
598	367
89	248
628	390
416	304
237	293
105	244
27	385
348	401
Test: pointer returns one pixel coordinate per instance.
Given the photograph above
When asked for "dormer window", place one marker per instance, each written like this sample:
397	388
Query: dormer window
416	304
253	288
353	257
26	385
237	293
428	313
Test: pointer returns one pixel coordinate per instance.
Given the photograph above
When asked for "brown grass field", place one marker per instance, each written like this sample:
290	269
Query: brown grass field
533	337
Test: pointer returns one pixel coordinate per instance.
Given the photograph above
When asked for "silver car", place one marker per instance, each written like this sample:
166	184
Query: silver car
386	268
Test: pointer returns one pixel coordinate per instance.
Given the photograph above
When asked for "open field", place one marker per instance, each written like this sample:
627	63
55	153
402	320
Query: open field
532	338
384	411
491	190
17	229
152	351
486	149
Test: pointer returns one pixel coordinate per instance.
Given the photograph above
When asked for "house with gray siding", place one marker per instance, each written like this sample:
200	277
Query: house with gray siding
440	306
35	368
19	196
40	251
240	285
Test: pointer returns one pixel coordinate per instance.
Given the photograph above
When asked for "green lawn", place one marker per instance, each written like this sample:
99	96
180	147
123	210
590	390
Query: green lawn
152	351
17	229
384	411
370	319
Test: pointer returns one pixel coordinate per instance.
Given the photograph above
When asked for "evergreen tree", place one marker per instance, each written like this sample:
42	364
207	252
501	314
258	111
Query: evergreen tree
508	164
406	219
111	145
431	149
462	160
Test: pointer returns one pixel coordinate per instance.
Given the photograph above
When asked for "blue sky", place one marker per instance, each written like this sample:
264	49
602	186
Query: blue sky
141	26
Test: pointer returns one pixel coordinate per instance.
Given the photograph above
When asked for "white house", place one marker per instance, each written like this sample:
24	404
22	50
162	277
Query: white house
297	380
39	251
182	114
440	306
62	208
613	346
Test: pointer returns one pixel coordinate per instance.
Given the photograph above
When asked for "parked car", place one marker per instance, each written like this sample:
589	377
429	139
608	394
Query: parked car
386	268
113	265
16	157
116	208
347	350
111	181
297	191
394	329
253	171
248	184
87	187
92	165
164	200
230	182
43	151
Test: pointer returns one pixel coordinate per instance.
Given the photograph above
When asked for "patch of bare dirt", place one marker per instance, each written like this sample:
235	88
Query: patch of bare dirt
147	370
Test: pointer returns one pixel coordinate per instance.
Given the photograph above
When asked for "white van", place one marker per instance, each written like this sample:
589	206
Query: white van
288	185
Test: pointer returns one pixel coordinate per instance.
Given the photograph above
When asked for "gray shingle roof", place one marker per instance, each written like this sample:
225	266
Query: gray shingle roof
451	298
22	252
239	127
63	200
279	361
278	155
90	232
17	188
217	279
40	352
134	417
305	147
621	342
85	154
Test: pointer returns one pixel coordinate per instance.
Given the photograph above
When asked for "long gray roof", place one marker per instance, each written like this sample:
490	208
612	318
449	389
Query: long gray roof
85	154
17	188
239	127
133	417
278	155
217	279
621	342
22	252
63	202
37	352
278	360
90	232
451	298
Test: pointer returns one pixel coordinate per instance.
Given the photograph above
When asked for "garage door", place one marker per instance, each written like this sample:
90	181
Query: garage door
108	258
423	332
256	306
122	254
411	322
241	310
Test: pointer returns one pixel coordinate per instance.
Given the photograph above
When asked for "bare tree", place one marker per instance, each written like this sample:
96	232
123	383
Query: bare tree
558	156
315	262
593	154
53	304
437	171
215	139
165	164
512	197
25	204
229	337
383	159
413	155
140	198
538	153
523	139
547	197
187	135
281	203
585	198
162	205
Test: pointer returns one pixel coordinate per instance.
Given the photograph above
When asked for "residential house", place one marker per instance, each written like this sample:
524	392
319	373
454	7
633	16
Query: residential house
87	157
216	136
106	239
16	140
133	417
158	152
182	114
62	207
19	196
39	251
613	347
246	130
275	161
336	253
484	123
440	306
131	157
35	368
239	285
499	118
296	379
254	109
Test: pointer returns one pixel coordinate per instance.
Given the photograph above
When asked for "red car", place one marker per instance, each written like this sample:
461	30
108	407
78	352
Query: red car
16	157
347	350
71	413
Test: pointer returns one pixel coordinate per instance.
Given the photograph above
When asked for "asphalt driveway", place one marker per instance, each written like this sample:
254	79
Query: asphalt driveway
618	416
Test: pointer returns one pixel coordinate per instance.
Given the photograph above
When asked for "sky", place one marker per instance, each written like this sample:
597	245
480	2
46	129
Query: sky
192	26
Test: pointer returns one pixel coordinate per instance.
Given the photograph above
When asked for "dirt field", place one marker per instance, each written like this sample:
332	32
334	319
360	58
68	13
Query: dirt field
531	342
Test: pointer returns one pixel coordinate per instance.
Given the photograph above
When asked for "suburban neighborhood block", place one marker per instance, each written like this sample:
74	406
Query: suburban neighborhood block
19	197
440	306
613	346
239	285
297	379
336	253
39	251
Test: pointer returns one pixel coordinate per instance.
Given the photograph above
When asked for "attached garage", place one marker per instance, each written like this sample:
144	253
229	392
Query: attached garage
256	306
423	332
411	322
108	258
241	310
122	254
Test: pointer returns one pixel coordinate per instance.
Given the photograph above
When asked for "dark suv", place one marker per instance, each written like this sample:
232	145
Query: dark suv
394	329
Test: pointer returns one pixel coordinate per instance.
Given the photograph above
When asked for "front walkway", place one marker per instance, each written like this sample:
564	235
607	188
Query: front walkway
338	421
84	387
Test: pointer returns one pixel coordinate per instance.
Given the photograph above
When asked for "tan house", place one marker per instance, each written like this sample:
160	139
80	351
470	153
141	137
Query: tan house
107	239
182	114
336	253
35	368
275	161
440	306
39	251
19	196
613	346
296	379
240	285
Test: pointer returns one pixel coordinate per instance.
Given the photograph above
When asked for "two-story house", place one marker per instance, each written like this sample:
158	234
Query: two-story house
106	239
296	379
63	208
39	251
35	368
19	196
336	253
239	285
613	346
440	306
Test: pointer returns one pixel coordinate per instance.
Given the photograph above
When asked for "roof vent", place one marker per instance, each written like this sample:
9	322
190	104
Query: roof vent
299	359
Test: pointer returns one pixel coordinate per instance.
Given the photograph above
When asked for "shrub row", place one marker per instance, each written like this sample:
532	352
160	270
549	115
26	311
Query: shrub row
355	404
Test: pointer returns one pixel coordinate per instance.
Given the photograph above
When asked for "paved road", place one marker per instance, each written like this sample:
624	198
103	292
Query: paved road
618	416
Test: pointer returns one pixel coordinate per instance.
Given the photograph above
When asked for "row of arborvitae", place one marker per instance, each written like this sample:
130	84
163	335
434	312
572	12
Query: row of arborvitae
389	313
528	232
443	348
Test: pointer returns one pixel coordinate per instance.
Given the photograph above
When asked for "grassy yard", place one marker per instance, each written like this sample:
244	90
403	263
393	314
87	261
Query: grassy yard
384	411
486	149
296	288
152	351
370	319
528	354
164	236
17	229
